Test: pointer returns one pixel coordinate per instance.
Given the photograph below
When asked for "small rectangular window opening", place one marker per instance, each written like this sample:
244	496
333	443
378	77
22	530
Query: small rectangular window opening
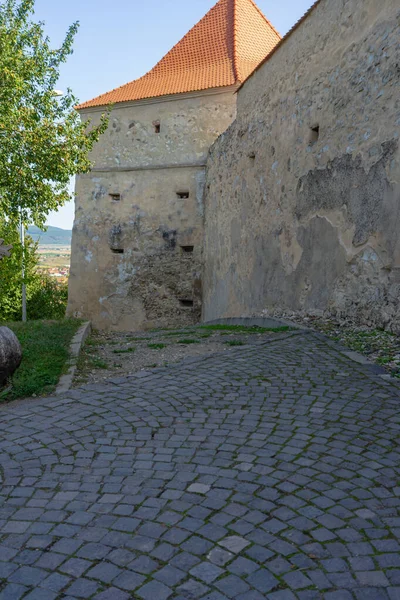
187	249
117	250
182	194
186	302
314	134
115	197
157	127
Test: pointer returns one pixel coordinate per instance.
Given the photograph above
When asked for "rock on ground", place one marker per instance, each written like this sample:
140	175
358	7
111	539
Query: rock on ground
10	354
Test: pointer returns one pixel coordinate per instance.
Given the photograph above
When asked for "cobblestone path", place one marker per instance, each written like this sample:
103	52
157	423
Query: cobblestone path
269	473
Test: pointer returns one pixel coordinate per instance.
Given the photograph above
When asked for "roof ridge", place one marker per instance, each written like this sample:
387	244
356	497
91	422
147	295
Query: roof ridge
236	73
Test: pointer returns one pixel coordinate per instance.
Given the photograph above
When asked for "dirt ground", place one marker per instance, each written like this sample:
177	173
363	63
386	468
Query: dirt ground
106	355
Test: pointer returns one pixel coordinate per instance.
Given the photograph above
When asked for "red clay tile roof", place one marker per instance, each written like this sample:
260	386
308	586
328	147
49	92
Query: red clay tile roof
221	50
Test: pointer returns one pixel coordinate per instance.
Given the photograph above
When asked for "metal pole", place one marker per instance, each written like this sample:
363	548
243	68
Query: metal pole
23	272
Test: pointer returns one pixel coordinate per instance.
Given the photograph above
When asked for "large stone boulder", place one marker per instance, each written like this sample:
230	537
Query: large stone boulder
10	354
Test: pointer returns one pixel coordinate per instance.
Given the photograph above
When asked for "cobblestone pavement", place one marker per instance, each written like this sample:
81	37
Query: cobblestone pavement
269	473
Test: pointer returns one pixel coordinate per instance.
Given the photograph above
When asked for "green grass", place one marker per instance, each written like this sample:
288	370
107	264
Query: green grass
97	363
125	350
234	343
45	352
245	329
180	332
156	346
188	341
138	339
93	342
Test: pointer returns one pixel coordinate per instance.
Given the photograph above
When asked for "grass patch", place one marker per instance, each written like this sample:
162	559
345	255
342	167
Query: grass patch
177	333
246	329
45	352
138	339
188	341
93	342
125	350
234	343
97	363
156	346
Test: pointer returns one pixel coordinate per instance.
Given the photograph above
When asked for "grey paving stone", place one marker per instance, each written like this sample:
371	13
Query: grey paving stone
40	594
129	580
232	586
82	588
104	572
55	582
170	575
234	543
206	572
192	589
75	566
112	594
29	576
263	581
154	589
220	557
297	482
12	591
199	488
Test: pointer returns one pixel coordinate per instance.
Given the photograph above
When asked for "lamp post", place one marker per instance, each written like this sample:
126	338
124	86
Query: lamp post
56	93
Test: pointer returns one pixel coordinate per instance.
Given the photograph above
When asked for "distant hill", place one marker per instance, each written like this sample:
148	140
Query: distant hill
53	235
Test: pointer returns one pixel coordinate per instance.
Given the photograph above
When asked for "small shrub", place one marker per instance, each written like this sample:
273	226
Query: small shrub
49	300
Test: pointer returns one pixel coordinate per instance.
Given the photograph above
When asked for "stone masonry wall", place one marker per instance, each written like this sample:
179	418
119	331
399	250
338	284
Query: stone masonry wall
132	264
303	189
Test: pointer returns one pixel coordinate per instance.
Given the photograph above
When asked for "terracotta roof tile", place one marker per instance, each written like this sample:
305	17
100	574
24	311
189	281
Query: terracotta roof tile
221	50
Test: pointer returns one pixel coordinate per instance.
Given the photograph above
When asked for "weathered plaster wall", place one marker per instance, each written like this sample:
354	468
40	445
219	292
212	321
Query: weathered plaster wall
143	287
303	224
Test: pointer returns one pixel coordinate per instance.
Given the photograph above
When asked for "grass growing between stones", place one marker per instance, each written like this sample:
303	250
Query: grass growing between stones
157	346
125	350
188	341
234	343
45	352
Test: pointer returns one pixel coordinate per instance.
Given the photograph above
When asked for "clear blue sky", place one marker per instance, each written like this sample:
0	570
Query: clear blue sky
121	40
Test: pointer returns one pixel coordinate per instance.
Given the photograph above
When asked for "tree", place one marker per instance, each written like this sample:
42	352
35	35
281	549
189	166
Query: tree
43	142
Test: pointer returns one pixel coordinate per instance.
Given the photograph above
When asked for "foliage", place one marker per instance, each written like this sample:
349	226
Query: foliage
11	273
42	139
45	351
46	297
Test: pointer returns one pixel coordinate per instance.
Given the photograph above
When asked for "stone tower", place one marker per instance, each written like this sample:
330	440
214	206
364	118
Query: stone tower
138	230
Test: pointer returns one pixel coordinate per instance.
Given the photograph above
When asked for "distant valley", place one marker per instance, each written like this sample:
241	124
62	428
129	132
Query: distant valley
54	250
54	236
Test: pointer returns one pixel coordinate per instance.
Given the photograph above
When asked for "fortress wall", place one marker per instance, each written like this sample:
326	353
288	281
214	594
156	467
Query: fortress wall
130	265
302	205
